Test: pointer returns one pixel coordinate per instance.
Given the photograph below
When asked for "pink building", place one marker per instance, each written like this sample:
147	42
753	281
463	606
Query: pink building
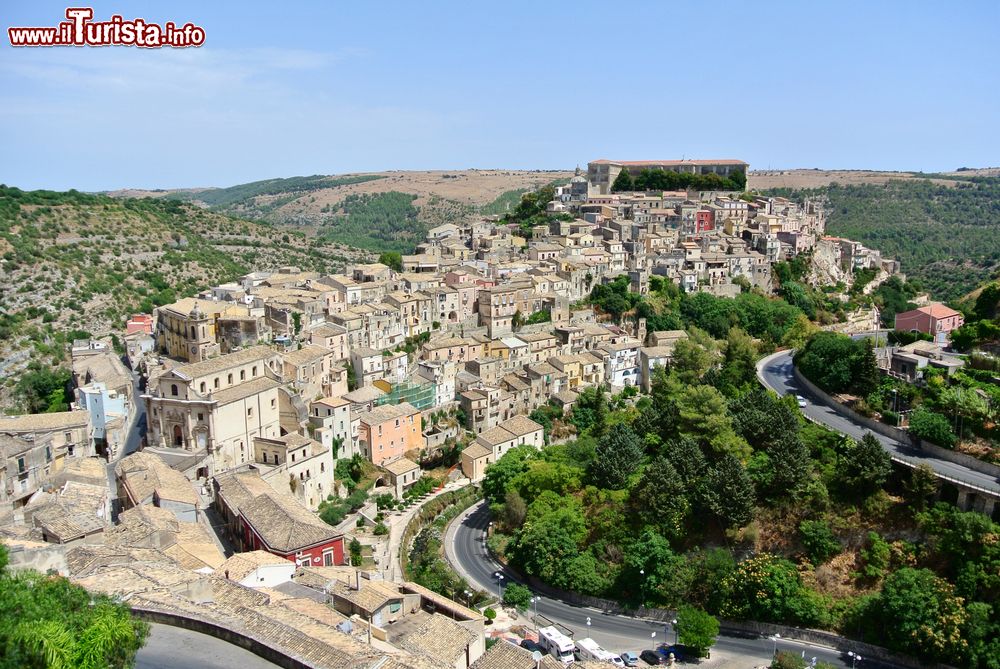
934	319
387	432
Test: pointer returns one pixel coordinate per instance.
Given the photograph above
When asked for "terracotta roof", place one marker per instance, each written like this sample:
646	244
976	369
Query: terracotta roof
476	450
306	354
284	524
44	422
145	474
505	655
938	310
387	412
520	426
241	565
495	436
246	389
439	637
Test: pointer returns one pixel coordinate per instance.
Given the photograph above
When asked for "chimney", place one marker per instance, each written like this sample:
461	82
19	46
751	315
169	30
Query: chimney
357	576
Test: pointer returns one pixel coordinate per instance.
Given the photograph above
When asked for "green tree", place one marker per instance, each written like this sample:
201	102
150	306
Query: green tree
703	415
799	332
818	540
659	499
355	550
866	372
692	357
46	621
933	427
920	614
618	454
768	588
623	182
876	556
729	492
500	474
828	361
922	486
696	629
392	260
517	596
863	466
514	510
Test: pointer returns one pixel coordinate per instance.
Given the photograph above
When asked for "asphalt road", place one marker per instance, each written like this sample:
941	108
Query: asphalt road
175	648
466	551
776	373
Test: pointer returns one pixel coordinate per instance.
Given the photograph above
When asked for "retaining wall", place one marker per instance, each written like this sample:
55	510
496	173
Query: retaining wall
274	654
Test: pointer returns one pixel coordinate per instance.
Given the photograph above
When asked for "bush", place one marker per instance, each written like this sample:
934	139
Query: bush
932	427
819	542
380	530
517	596
490	614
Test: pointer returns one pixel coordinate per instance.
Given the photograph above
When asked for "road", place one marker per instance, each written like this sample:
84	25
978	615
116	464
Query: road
176	648
776	373
466	551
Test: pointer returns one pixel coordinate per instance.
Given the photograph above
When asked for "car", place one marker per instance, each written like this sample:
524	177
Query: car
615	660
629	658
652	657
802	401
531	646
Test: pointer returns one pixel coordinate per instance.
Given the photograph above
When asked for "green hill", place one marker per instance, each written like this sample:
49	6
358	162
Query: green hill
74	262
945	236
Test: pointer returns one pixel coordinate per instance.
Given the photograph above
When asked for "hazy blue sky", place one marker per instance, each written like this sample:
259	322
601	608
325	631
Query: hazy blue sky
291	88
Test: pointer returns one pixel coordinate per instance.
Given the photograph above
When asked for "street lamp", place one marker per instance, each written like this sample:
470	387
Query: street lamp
673	623
588	625
534	604
499	586
775	640
855	658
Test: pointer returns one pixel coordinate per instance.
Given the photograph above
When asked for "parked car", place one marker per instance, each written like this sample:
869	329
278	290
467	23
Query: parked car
652	657
630	659
802	401
531	646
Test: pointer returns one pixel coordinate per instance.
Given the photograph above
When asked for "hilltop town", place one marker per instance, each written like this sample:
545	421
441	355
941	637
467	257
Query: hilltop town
257	451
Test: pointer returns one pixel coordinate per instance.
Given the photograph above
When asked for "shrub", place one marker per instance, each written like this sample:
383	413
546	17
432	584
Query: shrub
932	427
381	530
490	614
818	539
517	596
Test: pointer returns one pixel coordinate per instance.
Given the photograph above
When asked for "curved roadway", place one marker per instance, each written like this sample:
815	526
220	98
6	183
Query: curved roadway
466	550
775	372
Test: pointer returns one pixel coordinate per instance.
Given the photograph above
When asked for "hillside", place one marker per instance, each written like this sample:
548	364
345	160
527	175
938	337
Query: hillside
76	262
945	231
377	211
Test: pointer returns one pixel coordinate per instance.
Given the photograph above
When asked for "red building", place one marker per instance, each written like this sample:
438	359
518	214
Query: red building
704	221
261	518
934	319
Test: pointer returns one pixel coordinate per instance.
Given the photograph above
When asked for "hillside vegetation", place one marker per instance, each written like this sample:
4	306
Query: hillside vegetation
79	263
369	210
945	236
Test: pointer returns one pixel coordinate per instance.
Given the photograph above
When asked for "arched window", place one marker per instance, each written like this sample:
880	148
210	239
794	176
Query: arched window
203	387
229	379
265	457
216	383
243	374
173	389
253	372
194	332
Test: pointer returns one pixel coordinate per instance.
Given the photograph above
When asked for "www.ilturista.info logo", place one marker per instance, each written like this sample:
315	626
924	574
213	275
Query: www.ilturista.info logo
80	30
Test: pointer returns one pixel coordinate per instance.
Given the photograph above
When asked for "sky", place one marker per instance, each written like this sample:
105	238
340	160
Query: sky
297	88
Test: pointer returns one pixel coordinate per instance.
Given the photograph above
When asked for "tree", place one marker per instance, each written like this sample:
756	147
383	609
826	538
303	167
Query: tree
799	332
618	454
818	540
46	621
623	182
864	466
703	415
692	357
392	260
769	588
659	499
514	510
930	426
517	596
503	471
355	550
866	373
696	629
922	486
876	556
920	614
729	492
827	360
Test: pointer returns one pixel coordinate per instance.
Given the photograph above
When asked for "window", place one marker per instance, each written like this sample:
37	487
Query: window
20	465
249	412
265	458
229	379
243	374
69	450
216	382
273	401
201	417
322	468
48	454
293	457
203	387
68	436
173	389
253	372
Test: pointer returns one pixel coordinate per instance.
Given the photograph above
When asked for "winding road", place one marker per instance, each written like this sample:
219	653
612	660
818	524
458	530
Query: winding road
776	372
466	551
